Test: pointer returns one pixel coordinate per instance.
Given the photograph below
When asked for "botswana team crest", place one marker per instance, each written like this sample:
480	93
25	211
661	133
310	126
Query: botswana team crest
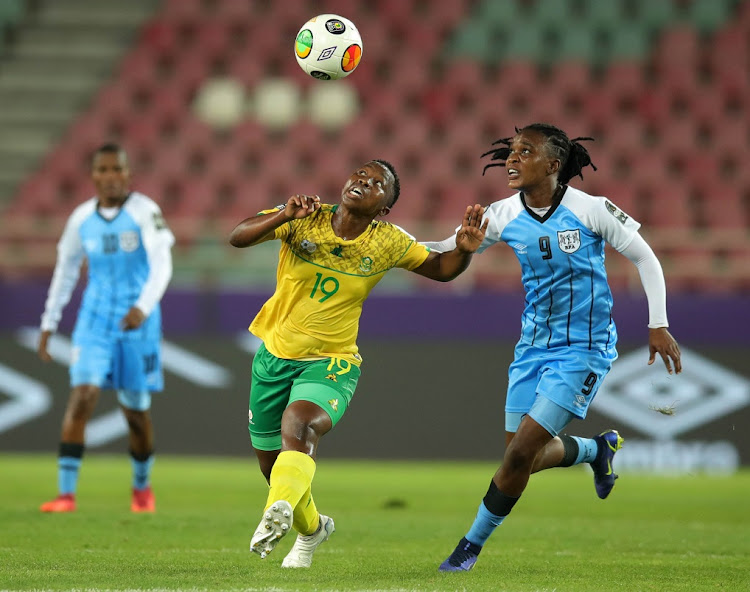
569	240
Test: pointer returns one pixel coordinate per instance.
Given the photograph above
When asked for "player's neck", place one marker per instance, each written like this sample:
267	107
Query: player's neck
347	225
542	197
111	202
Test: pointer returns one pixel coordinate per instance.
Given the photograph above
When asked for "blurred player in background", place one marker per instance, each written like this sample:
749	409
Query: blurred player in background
117	337
305	373
568	338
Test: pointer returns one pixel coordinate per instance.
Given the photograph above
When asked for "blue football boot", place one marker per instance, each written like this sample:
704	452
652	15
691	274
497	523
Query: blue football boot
609	443
463	558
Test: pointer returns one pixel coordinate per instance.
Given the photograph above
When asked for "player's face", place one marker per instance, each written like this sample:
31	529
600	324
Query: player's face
111	176
369	190
528	164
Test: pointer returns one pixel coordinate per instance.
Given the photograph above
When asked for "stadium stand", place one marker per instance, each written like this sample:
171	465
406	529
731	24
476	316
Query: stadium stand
663	86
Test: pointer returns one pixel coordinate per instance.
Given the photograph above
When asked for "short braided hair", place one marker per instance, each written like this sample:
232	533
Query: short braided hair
572	155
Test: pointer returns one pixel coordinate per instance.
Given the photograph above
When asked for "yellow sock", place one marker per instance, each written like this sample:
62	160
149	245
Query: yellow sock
291	477
306	517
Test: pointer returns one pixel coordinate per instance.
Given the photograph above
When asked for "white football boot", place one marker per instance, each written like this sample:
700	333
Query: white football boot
304	547
276	522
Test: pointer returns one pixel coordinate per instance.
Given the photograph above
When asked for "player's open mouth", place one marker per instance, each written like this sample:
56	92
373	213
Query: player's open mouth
513	173
354	192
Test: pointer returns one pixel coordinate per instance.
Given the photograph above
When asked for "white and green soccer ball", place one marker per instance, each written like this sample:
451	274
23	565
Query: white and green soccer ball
328	47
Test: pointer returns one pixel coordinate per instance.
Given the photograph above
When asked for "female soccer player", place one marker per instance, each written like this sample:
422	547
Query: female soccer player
117	337
305	373
568	337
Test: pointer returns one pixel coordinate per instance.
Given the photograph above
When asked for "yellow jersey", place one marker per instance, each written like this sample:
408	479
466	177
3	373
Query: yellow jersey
322	282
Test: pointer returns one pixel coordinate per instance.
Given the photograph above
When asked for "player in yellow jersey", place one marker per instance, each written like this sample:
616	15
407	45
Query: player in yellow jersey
305	373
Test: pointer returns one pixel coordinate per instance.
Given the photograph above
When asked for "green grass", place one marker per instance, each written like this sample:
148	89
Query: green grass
395	523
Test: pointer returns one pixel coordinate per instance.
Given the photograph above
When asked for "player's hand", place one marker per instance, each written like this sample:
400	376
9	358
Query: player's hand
133	319
661	341
471	233
301	206
42	348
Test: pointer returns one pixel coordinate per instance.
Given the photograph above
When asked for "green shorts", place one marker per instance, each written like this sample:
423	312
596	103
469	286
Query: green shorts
276	383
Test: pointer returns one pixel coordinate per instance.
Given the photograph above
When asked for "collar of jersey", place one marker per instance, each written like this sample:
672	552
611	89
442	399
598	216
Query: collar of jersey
555	203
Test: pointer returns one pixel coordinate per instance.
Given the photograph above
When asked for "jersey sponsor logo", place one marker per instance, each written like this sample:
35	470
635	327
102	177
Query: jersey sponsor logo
338	251
308	246
129	241
332	377
250	417
569	240
334	403
520	248
366	264
621	216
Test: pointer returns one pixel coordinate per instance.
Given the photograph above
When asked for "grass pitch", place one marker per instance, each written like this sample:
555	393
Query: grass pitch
395	522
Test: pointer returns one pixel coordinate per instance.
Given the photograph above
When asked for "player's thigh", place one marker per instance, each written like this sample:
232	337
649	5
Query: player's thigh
551	416
92	360
573	377
137	366
523	379
270	388
330	384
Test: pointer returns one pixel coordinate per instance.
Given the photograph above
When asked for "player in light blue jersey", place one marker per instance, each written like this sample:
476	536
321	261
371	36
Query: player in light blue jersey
568	337
126	245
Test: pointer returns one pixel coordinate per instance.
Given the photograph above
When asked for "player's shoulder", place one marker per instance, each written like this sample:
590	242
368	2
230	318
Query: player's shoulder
391	230
503	211
138	202
83	211
580	201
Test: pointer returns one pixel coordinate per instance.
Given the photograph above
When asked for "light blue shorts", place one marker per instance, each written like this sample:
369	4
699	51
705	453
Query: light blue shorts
567	377
547	414
120	363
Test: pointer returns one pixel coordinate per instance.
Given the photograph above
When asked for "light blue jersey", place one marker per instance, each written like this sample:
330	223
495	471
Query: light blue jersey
129	264
568	301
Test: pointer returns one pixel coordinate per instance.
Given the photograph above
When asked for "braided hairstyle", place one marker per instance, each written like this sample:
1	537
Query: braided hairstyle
572	155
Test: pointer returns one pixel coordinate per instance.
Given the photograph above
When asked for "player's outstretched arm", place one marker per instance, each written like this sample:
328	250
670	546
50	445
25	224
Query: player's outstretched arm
660	341
446	266
258	229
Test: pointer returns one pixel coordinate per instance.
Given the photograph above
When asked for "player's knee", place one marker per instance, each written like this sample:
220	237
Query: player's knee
519	459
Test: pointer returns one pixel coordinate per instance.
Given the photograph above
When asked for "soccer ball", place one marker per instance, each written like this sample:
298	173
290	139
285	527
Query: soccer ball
328	47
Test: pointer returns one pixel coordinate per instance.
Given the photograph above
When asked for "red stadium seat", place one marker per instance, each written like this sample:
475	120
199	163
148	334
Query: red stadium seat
212	39
159	39
181	11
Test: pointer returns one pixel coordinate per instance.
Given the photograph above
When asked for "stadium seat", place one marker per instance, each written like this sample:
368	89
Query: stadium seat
552	14
605	16
212	39
652	15
183	11
708	15
668	205
627	43
158	38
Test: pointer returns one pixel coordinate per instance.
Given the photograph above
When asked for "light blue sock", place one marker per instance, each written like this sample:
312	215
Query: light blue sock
587	450
484	525
67	474
142	472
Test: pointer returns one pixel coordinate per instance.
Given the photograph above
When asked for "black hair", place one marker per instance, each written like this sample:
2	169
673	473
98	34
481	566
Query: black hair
572	155
396	180
110	148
